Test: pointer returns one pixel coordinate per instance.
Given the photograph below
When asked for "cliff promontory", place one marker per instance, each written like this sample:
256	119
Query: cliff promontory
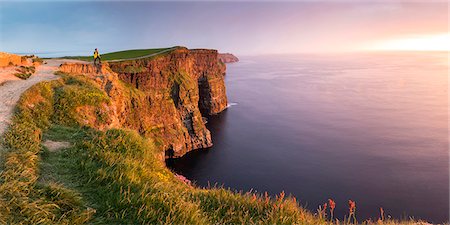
228	58
164	97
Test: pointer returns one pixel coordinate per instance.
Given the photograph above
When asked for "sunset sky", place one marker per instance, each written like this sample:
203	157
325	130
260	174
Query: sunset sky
245	28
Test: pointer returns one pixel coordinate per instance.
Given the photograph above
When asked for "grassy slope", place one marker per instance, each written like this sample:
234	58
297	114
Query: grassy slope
24	200
120	55
111	177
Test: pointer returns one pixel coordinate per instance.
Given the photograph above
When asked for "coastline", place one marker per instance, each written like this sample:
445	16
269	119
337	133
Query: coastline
112	156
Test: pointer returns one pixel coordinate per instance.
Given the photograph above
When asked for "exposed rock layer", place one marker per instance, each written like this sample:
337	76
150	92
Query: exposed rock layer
162	97
7	59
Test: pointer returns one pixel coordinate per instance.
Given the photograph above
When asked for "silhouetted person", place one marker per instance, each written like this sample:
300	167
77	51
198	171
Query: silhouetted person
97	57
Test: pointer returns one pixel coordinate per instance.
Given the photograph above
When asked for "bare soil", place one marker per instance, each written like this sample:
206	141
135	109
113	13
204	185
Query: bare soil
54	146
12	87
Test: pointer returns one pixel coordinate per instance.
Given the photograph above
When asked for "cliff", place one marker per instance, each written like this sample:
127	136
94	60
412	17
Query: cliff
163	97
228	58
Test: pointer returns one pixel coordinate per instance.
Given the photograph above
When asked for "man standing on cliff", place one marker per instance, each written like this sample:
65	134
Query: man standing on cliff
97	56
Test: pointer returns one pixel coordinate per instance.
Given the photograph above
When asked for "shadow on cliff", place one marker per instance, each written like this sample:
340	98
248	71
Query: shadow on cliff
217	124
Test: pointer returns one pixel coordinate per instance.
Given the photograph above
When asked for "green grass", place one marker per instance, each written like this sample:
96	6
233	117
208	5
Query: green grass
77	100
120	175
23	200
127	54
23	76
38	60
25	72
114	176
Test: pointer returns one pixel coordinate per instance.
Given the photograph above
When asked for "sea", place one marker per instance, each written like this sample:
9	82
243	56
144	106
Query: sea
370	127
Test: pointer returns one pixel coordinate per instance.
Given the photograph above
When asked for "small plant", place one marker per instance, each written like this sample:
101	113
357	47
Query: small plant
38	60
332	204
23	76
381	214
322	211
352	211
183	179
24	72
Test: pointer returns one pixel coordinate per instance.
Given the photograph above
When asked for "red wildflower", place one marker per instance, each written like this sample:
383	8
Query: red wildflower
351	206
352	210
254	197
331	203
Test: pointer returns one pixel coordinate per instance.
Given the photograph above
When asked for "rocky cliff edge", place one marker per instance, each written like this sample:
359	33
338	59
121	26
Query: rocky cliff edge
165	97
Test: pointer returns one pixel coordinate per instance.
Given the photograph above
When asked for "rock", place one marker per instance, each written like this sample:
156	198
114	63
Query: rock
7	59
163	97
228	58
85	68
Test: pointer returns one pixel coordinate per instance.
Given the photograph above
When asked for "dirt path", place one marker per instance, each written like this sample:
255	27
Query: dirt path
54	146
11	87
11	90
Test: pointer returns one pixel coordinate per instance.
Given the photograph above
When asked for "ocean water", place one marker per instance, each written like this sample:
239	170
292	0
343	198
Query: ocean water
368	127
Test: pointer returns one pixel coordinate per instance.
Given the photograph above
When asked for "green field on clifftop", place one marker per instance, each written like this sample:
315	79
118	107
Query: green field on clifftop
120	55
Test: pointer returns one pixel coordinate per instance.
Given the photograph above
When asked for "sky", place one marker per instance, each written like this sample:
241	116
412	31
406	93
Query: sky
243	28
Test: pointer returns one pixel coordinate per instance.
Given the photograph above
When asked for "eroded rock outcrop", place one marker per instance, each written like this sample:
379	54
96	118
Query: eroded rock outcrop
7	59
164	97
85	68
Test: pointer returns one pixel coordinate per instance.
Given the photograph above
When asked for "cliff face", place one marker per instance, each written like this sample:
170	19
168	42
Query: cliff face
162	97
189	69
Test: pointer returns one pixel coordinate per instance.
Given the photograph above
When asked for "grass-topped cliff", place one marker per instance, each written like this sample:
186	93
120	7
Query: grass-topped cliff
122	55
163	97
113	171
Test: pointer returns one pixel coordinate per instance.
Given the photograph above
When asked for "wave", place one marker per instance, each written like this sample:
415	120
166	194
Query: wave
231	104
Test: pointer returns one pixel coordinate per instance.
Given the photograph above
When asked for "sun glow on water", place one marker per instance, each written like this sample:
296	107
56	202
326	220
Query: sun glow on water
437	42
